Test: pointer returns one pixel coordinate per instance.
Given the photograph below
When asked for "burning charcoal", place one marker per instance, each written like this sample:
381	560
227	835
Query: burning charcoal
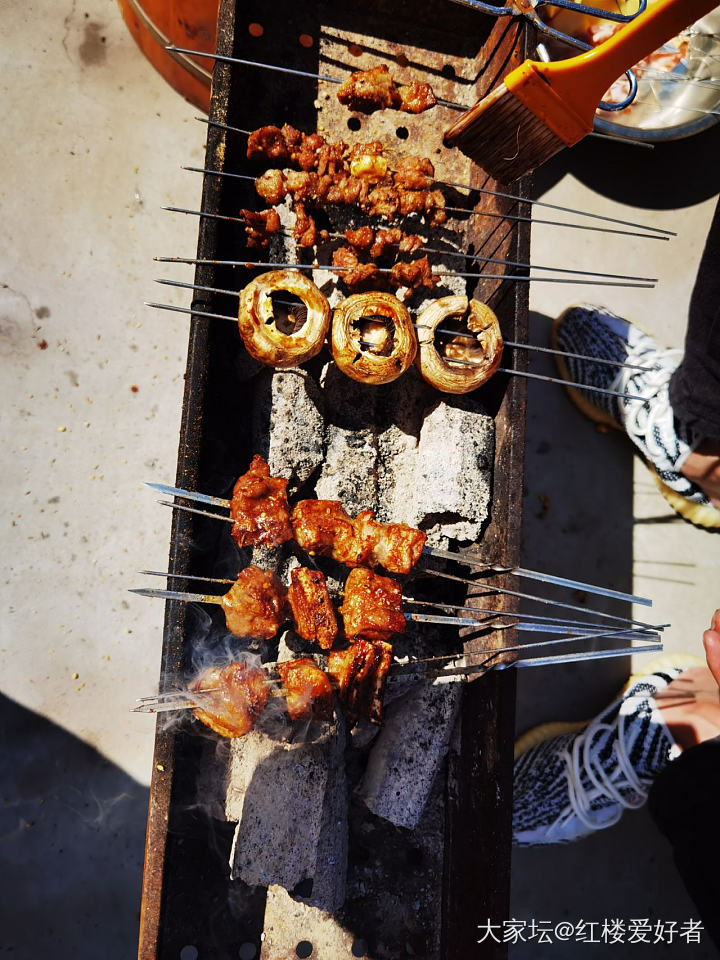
288	424
290	801
409	751
288	923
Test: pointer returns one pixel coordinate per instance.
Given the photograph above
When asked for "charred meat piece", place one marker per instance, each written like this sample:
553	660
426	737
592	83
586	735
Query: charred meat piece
360	673
435	207
307	690
271	186
236	696
410	243
416	97
259	227
302	185
331	158
413	274
347	191
303	148
322	527
412	201
268	143
311	607
395	546
259	508
372	606
305	230
256	604
414	173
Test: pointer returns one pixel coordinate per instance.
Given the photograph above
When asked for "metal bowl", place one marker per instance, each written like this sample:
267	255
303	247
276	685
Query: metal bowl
674	102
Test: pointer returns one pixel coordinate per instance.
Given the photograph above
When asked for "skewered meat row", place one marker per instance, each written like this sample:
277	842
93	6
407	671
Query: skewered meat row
258	604
232	698
369	90
412	274
260	226
261	515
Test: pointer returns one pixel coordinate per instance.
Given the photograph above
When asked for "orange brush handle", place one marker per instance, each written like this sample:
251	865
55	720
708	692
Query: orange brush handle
581	81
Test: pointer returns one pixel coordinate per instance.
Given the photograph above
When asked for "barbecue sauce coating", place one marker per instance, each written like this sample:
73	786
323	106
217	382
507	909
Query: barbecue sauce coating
236	698
372	606
322	527
360	672
259	508
311	607
256	604
307	690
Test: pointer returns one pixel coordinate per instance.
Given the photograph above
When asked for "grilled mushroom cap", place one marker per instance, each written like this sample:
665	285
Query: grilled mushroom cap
279	335
476	361
373	339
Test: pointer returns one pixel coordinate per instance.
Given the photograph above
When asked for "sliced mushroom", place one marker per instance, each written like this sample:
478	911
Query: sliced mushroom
373	339
475	361
281	334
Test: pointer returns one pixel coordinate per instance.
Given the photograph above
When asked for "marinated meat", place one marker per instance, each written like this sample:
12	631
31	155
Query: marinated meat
347	191
413	274
331	158
410	243
322	527
311	607
395	546
414	173
268	143
259	508
271	186
361	239
369	90
435	207
382	202
259	227
307	689
372	606
236	696
411	201
305	230
302	185
360	673
416	97
256	604
353	273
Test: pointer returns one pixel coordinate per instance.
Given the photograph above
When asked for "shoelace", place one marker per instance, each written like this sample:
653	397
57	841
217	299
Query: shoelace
646	421
605	783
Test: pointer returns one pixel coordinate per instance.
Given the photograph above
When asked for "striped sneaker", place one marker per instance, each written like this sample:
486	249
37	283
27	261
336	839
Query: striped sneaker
660	439
579	781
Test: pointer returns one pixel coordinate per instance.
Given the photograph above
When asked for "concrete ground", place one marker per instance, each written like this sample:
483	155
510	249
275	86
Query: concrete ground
91	392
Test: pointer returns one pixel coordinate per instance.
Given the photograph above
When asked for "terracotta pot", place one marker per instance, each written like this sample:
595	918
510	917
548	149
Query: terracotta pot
185	23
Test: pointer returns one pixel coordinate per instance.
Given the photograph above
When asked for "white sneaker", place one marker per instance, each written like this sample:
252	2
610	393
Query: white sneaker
570	785
660	439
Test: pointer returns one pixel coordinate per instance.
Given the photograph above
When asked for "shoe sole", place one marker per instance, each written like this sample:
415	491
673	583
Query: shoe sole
702	515
547	731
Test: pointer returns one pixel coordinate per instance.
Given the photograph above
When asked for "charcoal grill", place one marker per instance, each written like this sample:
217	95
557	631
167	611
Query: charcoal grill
188	899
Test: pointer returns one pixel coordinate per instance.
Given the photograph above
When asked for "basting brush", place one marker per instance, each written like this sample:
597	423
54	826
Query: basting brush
540	108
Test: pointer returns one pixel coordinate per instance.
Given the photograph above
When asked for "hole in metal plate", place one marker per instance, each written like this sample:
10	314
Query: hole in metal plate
304	949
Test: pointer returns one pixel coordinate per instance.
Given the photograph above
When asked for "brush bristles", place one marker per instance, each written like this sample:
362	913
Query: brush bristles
503	136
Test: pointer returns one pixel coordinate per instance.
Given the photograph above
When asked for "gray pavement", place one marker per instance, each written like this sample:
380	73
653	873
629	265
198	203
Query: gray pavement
91	392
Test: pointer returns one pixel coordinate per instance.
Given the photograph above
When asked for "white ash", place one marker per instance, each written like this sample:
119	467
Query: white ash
287	427
408	752
288	923
349	471
290	804
440	478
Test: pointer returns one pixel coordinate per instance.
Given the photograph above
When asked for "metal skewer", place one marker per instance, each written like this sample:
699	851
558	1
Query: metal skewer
470	213
297	73
461	558
187	597
452	333
493	193
488	589
472	257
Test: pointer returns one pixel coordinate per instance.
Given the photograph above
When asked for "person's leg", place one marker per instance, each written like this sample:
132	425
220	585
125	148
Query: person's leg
684	803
